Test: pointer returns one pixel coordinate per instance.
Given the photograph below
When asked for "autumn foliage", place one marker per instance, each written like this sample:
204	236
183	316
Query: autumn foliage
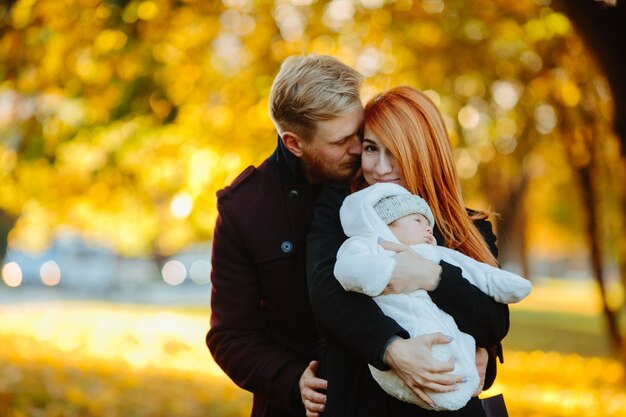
120	119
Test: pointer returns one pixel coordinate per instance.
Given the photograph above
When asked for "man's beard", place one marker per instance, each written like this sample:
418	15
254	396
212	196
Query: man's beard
325	173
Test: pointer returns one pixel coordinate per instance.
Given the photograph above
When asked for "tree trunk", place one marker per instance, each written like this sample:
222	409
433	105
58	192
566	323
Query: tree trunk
7	221
514	230
621	249
594	238
507	199
583	166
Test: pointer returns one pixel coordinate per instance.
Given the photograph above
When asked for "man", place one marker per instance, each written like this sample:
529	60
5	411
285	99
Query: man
263	332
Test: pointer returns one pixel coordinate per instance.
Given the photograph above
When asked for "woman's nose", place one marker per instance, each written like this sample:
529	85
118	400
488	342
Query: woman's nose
384	165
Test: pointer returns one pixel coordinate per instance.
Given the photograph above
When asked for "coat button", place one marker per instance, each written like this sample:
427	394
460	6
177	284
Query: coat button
293	194
286	246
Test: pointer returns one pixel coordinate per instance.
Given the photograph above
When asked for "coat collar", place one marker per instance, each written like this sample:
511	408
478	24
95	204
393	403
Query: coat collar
286	164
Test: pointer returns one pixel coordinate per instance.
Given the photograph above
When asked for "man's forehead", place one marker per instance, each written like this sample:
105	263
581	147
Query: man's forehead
339	128
335	135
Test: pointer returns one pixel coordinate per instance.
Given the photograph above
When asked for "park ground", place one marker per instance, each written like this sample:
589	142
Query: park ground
85	358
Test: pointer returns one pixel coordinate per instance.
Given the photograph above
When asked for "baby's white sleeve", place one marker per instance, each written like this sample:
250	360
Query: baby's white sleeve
503	286
361	267
429	252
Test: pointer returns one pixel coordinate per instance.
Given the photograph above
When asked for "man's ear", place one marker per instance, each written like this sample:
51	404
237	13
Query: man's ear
293	143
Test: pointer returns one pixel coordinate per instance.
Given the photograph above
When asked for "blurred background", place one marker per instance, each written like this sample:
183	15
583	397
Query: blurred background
120	119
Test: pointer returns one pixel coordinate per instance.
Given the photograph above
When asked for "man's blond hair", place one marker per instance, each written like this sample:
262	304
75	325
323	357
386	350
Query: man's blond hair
312	88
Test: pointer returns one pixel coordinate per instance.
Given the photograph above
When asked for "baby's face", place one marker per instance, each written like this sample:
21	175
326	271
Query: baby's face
412	229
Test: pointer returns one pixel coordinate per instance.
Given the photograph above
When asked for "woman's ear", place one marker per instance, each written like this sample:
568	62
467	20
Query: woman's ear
293	143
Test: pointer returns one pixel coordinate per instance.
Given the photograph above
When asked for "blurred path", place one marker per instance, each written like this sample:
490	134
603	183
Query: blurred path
156	293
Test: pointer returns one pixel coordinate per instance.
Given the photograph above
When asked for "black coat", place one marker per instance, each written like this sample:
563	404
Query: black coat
263	332
355	331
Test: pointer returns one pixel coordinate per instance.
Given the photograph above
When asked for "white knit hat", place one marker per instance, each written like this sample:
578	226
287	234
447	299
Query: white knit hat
394	207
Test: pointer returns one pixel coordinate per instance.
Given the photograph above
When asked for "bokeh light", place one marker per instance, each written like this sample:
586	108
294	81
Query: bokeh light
468	117
467	163
181	205
290	21
174	272
200	272
50	273
338	12
12	274
505	94
545	117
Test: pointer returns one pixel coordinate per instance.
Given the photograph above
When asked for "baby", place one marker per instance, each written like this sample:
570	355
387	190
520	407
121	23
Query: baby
389	212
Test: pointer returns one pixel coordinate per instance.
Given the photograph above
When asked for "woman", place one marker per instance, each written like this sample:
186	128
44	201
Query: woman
405	142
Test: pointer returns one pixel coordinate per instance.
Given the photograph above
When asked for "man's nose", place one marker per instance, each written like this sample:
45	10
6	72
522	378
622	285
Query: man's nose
355	146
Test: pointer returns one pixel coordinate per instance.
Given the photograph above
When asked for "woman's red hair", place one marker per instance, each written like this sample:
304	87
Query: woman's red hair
409	124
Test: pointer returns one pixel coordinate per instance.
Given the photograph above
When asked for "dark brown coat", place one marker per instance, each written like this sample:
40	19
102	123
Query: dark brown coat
263	332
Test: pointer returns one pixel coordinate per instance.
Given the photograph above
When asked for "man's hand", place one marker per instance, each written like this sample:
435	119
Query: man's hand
314	402
412	272
482	357
412	361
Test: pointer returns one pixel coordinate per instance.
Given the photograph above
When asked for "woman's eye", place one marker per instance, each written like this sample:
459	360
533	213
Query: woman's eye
369	148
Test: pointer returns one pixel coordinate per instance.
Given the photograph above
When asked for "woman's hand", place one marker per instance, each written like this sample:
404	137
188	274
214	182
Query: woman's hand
412	271
314	402
482	357
412	361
